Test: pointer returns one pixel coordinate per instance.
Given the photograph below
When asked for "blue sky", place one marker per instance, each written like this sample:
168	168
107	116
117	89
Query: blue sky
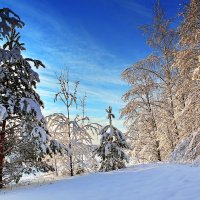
95	39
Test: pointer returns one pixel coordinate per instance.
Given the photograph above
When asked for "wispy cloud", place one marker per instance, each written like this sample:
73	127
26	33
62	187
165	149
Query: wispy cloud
135	7
59	45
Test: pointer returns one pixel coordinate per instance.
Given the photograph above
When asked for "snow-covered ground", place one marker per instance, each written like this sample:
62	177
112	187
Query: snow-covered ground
152	182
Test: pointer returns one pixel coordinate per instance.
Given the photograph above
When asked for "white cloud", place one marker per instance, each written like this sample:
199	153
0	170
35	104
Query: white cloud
135	7
60	46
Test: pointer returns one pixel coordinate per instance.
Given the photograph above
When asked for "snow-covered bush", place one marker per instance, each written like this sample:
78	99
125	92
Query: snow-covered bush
78	144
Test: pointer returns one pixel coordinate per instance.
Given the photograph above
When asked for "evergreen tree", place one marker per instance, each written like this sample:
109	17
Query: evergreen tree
111	146
23	135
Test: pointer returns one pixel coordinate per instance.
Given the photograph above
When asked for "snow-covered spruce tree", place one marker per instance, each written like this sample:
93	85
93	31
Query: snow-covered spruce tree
111	146
23	134
74	132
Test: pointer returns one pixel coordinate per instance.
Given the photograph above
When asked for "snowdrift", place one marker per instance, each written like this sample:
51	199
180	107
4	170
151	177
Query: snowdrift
142	182
188	151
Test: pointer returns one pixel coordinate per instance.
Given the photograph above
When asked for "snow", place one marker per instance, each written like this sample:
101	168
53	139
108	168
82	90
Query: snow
188	150
150	181
3	113
30	105
39	132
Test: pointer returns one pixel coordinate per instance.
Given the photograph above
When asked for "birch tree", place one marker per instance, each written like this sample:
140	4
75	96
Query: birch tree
174	96
75	132
139	111
187	55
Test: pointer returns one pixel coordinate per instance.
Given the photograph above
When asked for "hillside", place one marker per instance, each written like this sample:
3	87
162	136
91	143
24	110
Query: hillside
152	182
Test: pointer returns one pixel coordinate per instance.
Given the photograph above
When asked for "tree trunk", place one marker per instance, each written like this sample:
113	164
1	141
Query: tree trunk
70	145
2	141
55	164
155	130
158	151
71	166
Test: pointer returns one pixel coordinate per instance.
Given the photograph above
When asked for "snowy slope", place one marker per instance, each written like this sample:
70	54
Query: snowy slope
152	182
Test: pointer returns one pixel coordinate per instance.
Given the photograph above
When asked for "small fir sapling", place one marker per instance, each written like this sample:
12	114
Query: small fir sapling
112	145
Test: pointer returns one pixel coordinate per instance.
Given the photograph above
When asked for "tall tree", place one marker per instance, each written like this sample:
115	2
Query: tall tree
23	134
139	111
163	39
155	84
187	54
170	94
187	61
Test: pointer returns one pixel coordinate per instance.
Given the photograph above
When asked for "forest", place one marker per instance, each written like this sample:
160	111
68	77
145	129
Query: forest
161	109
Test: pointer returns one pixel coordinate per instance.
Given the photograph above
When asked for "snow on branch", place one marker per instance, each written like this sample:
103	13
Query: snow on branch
30	106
